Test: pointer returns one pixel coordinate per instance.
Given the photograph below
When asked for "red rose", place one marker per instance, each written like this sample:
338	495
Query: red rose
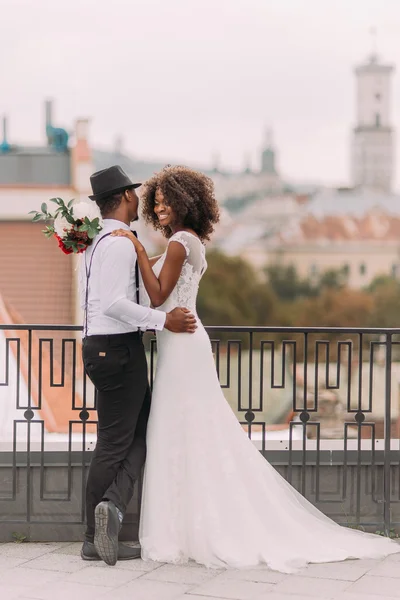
61	245
67	250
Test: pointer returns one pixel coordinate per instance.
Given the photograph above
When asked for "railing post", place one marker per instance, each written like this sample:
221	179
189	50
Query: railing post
387	426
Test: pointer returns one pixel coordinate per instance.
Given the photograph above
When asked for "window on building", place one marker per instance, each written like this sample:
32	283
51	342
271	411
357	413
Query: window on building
346	270
313	270
363	269
377	120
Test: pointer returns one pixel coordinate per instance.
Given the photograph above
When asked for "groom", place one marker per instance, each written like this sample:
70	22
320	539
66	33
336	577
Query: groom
116	312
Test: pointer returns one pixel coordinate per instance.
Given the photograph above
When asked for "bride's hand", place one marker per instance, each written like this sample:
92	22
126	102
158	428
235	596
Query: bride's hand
130	236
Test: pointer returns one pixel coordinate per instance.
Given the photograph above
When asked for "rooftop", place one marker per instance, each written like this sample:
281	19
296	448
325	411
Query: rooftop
348	201
55	570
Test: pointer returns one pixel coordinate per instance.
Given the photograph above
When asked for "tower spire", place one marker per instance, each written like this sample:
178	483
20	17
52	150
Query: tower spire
374	43
215	161
269	138
268	156
247	163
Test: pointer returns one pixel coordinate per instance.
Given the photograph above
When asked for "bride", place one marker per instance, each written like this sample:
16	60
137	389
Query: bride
208	494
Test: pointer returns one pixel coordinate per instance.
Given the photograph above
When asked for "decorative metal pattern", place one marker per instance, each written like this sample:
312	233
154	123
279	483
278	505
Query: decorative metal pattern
290	380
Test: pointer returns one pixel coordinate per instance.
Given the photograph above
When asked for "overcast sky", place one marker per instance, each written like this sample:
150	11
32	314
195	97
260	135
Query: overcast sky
185	79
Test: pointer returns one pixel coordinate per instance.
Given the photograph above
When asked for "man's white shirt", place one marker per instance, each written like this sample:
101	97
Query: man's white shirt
112	306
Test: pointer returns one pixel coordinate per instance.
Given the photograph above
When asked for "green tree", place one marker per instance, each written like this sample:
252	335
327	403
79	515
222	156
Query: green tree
334	279
231	293
286	283
385	295
289	286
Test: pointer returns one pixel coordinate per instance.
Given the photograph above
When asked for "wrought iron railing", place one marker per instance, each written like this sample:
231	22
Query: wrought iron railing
321	404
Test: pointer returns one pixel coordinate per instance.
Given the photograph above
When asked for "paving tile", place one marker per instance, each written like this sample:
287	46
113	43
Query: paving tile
386	569
379	586
103	575
67	591
57	562
150	590
345	571
350	596
7	562
133	565
28	577
310	586
291	596
234	589
181	574
258	574
73	549
13	592
190	596
28	550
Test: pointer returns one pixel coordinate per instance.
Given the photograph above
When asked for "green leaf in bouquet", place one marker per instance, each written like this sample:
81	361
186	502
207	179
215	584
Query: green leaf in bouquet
37	217
92	233
83	227
43	208
70	203
48	232
69	218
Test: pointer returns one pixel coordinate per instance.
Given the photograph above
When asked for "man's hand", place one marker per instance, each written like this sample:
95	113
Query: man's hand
180	320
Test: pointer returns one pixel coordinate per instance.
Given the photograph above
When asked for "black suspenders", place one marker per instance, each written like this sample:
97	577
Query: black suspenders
88	273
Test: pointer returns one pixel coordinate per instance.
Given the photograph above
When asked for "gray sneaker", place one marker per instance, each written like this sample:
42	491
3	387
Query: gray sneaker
106	532
88	552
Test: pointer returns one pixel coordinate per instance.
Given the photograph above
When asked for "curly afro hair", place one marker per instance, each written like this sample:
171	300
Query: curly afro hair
189	193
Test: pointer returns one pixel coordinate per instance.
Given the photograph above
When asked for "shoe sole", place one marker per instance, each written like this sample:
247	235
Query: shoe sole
106	536
90	558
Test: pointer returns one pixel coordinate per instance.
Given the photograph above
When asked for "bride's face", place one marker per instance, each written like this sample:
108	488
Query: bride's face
164	212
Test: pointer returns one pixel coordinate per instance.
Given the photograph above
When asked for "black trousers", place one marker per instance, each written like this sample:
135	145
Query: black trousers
117	366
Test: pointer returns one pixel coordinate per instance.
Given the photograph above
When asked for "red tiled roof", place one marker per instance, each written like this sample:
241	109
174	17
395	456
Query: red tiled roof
373	226
56	403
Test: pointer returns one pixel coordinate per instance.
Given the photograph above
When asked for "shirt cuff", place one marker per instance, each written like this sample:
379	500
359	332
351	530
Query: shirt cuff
157	320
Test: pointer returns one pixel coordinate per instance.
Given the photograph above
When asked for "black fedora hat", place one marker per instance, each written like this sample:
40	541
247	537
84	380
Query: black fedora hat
110	181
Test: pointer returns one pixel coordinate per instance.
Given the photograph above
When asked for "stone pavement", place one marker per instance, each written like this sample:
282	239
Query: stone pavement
55	571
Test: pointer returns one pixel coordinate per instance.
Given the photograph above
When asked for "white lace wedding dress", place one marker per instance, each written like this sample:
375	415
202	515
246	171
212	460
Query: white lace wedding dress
209	495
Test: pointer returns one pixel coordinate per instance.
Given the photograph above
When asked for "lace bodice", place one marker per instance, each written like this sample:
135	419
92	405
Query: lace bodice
185	291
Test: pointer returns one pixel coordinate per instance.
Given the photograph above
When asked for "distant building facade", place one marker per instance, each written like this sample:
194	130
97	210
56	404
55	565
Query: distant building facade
36	280
373	136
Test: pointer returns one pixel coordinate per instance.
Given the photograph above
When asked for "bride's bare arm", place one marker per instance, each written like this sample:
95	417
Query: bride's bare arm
159	288
154	259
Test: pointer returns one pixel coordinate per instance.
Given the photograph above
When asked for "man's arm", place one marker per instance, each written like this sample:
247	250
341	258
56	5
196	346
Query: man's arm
115	275
118	259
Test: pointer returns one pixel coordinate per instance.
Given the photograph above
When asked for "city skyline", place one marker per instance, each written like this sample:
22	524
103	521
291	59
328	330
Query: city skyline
190	80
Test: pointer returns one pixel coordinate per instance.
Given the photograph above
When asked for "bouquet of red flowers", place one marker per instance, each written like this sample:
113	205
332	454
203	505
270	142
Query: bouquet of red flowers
74	225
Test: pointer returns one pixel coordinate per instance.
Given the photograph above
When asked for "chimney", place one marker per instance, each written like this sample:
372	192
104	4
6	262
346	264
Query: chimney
4	145
49	113
82	165
49	121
